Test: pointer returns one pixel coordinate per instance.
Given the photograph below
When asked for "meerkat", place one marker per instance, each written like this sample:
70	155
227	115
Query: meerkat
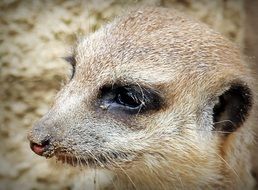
159	101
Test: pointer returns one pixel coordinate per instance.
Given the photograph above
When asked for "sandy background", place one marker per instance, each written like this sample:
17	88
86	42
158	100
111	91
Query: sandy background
34	35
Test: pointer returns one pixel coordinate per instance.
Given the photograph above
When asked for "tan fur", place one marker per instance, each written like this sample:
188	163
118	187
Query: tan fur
189	65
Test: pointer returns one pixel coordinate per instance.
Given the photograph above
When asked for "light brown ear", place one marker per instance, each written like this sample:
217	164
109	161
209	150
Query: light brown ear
233	108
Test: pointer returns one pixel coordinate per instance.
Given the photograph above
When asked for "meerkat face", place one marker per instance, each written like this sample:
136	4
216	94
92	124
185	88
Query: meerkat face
153	90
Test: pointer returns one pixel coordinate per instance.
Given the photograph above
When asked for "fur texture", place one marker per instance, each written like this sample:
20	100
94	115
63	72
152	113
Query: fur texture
175	147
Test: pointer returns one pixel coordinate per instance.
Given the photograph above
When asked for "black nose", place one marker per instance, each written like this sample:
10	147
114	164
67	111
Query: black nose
40	148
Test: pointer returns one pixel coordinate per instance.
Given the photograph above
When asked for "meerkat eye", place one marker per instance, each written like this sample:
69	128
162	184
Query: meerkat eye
130	99
71	60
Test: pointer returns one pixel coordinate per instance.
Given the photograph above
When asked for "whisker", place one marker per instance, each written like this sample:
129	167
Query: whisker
94	180
224	121
228	165
130	179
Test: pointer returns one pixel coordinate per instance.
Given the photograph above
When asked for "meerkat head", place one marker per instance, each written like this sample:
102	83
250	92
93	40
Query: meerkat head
155	94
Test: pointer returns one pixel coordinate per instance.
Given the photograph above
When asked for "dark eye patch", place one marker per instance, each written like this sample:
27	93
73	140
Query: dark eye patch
72	61
129	99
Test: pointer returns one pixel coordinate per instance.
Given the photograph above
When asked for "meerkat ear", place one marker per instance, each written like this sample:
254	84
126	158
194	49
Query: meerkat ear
233	108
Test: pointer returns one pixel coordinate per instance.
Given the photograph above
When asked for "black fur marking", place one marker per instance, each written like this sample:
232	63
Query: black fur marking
72	61
130	99
233	108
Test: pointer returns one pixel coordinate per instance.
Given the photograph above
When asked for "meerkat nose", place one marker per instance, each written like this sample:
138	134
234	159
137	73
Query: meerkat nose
39	148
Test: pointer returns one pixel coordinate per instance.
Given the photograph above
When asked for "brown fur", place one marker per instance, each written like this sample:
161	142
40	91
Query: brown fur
175	147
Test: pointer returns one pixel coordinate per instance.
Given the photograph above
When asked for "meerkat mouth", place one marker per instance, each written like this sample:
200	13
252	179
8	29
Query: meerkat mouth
79	161
108	160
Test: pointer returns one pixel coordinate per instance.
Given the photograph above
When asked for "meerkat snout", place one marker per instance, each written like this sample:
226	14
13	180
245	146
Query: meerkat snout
40	137
160	100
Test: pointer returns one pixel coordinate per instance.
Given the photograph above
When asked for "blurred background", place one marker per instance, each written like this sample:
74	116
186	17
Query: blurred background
35	35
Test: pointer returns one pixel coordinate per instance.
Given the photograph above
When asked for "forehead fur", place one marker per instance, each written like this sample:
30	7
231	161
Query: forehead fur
159	46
